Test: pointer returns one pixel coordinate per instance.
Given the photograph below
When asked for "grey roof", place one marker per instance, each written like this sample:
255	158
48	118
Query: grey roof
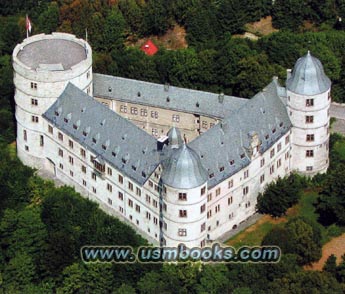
123	141
175	138
308	77
163	96
223	149
183	169
51	54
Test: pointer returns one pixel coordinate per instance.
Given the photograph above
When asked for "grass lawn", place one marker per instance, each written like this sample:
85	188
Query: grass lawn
254	234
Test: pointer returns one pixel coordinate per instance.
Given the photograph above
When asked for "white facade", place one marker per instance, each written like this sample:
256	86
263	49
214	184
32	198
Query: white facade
36	89
165	215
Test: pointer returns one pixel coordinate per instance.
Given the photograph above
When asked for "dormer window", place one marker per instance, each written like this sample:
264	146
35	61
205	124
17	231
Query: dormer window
75	126
221	168
274	130
211	175
65	120
281	124
104	147
232	162
197	104
134	168
57	113
242	155
139	94
143	174
113	154
110	89
266	137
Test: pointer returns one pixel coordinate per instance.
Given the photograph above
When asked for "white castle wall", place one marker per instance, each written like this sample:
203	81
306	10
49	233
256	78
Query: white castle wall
50	84
192	223
297	110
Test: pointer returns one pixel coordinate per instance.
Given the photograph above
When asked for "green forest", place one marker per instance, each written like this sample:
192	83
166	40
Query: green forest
43	227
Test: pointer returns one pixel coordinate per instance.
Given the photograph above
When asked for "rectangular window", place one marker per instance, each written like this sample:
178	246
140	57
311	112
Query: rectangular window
203	191
137	208
287	139
272	169
60	152
155	203
148	215
94	190
34	86
183	213
34	119
84	183
143	112
71	173
182	196
110	202
310	138
246	174
70	144
309	153
34	102
94	176
71	160
120	179
279	163
60	136
217	191
50	129
230	200
262	162
109	187
25	135
202	208
134	110
82	152
123	108
309	168
309	102
154	114
130	203
245	190
120	196
148	199
83	169
41	140
175	118
138	191
182	232
204	124
130	186
154	132
262	179
309	119
209	213
231	183
217	208
279	147
272	152
109	171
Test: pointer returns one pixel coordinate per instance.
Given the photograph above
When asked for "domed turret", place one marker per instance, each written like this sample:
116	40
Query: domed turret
175	139
183	170
308	77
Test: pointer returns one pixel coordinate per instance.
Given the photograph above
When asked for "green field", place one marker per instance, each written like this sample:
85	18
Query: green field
254	234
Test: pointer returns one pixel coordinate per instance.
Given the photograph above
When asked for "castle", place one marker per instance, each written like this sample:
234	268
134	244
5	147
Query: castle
181	166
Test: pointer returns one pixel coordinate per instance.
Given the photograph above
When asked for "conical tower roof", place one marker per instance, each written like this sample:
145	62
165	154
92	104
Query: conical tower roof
183	169
308	77
175	139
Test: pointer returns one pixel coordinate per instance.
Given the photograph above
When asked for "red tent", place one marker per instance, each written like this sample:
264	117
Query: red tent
149	48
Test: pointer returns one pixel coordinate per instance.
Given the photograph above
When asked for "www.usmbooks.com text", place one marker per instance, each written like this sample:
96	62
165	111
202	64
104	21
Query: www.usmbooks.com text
214	253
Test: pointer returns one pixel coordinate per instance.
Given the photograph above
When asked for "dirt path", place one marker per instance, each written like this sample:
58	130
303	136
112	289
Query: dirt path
336	246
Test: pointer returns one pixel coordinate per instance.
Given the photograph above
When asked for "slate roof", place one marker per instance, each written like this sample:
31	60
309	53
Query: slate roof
308	77
163	96
223	148
120	136
183	169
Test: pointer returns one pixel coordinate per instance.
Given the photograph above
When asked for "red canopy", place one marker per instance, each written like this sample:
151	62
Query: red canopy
149	48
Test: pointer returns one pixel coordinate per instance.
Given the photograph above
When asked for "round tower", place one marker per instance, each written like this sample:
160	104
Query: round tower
308	102
43	66
184	182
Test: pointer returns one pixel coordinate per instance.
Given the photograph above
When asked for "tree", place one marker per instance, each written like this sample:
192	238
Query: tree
331	265
48	20
299	236
280	195
287	14
156	20
213	279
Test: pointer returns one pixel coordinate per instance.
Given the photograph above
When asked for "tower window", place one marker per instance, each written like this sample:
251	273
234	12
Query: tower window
309	153
34	102
309	102
34	86
183	213
309	119
182	196
310	138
